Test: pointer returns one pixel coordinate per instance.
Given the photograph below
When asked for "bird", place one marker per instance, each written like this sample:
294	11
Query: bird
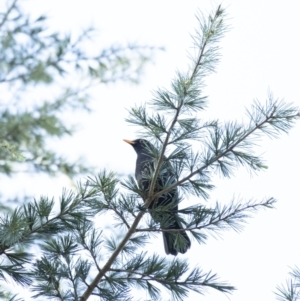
163	210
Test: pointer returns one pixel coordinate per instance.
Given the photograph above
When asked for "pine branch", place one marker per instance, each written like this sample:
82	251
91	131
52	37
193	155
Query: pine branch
217	218
180	104
172	275
274	118
32	222
291	290
9	10
211	32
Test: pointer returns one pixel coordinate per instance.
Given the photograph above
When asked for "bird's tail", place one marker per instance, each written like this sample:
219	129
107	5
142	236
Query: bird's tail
175	242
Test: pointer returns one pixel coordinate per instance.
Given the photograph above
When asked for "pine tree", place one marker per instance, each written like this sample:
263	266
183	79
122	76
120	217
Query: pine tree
80	258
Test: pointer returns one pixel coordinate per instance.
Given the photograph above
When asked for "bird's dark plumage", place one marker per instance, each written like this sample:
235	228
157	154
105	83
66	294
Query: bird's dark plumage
167	216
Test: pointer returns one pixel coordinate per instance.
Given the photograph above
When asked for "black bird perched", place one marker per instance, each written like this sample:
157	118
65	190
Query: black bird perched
168	218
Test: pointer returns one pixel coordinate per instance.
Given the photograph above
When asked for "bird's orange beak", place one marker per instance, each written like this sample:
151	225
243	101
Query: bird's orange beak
129	141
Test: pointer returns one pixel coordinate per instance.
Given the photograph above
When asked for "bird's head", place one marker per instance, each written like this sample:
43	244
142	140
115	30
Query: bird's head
141	146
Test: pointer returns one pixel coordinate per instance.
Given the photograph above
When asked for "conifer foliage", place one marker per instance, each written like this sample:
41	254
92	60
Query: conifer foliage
78	258
45	76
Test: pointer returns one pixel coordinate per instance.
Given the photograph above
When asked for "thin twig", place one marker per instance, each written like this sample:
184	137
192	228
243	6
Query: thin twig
8	12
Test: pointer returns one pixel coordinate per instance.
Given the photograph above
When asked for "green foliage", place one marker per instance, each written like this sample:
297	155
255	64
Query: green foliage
77	256
11	151
35	62
291	290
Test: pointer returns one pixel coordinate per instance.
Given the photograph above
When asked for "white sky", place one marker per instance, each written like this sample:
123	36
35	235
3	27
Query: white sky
260	52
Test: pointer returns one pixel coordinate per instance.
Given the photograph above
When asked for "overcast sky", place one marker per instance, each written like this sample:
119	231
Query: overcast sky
260	52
